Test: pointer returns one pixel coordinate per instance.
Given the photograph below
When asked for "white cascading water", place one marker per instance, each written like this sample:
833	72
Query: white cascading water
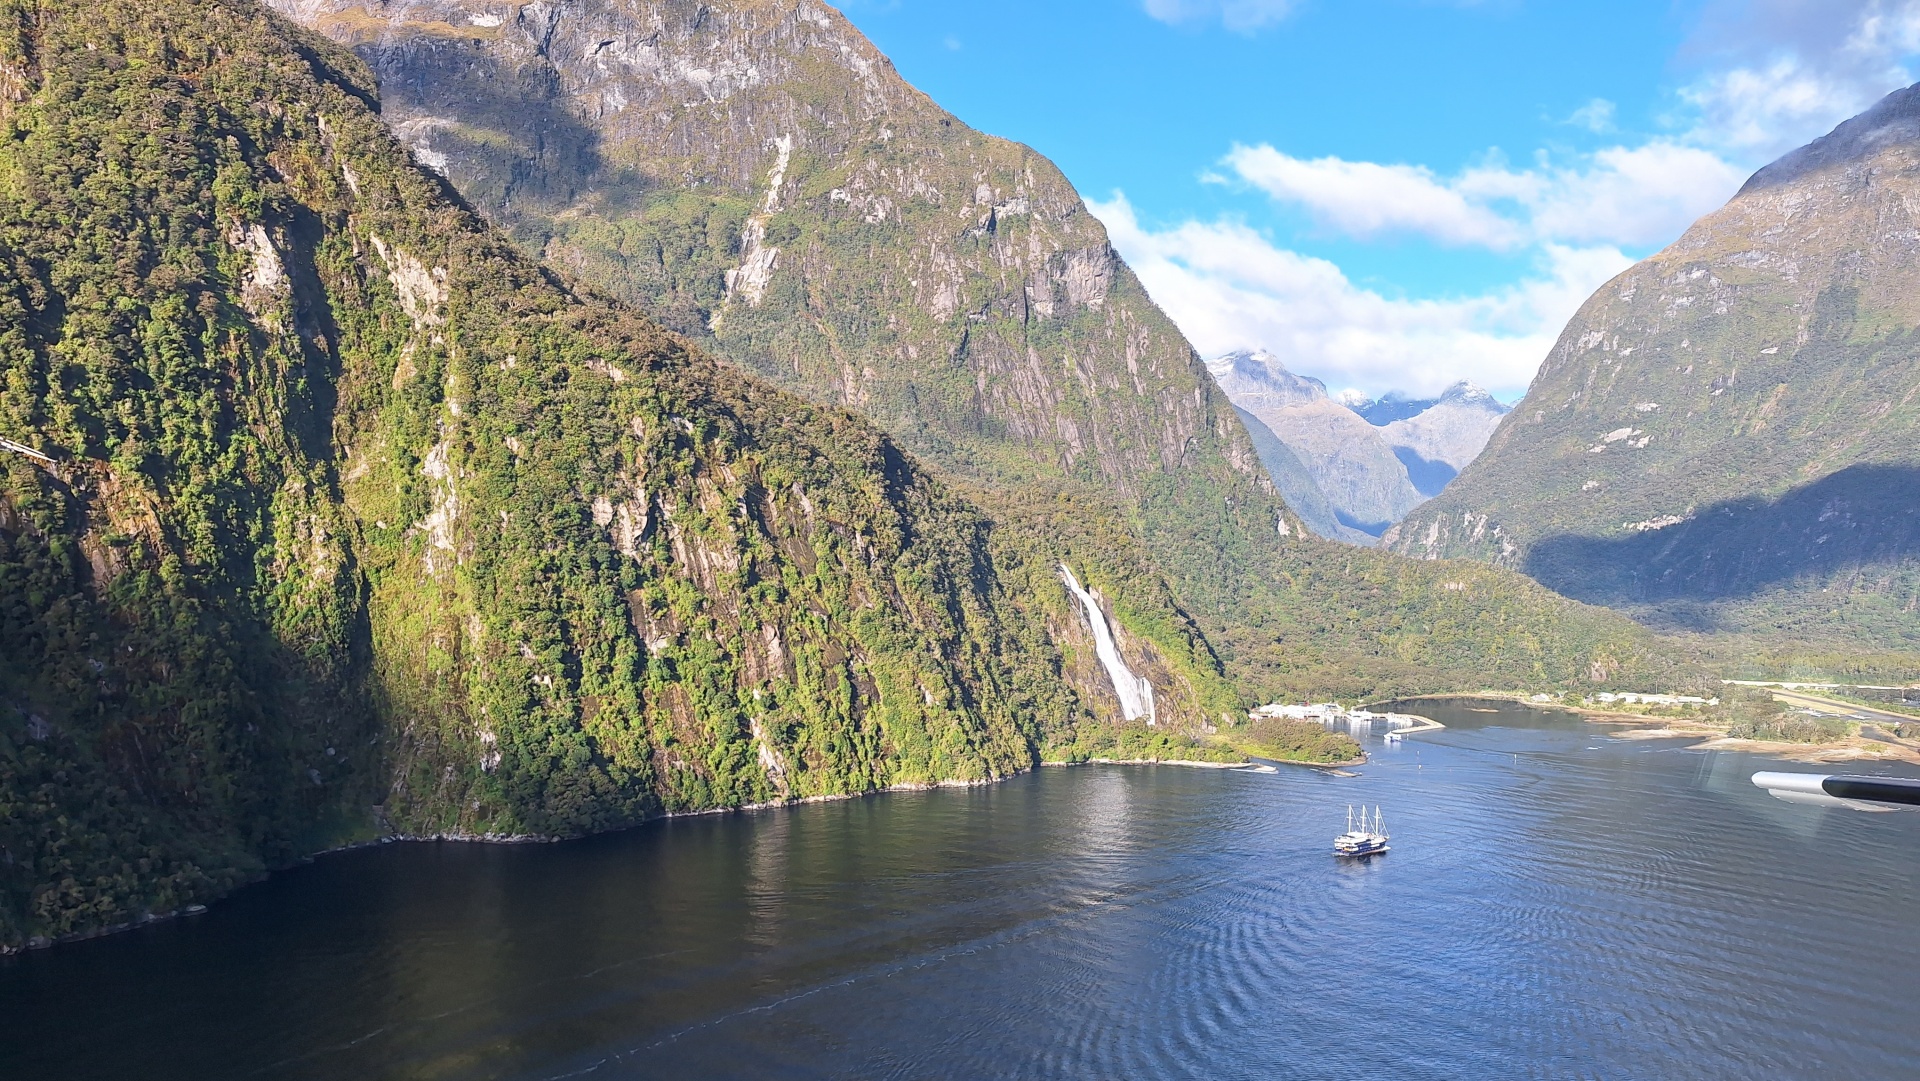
1136	694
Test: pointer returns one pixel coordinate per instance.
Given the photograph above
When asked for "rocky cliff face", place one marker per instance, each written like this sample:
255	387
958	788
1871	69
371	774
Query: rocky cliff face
1725	435
758	172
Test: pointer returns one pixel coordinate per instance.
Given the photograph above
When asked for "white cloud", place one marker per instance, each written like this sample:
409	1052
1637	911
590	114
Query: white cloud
1363	199
1229	287
1762	113
1778	73
1622	196
1243	16
1595	116
1643	196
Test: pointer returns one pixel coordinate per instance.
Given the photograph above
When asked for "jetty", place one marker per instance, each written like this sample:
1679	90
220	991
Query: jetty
1354	720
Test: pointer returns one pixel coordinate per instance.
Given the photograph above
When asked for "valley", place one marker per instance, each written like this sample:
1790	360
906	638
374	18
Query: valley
663	431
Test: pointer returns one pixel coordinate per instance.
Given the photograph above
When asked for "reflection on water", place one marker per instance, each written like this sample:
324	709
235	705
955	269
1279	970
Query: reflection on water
1557	903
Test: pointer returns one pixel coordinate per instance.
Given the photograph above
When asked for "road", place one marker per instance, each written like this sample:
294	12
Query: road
1845	709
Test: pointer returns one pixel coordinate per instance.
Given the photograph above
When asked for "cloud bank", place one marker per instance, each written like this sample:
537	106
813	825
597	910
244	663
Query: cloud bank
1632	196
1228	286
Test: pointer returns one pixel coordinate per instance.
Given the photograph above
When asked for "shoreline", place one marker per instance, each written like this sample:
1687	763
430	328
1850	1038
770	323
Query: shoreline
198	908
1325	767
1186	762
1715	738
1710	736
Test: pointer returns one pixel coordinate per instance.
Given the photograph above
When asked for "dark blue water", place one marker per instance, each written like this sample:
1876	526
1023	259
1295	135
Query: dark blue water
1556	904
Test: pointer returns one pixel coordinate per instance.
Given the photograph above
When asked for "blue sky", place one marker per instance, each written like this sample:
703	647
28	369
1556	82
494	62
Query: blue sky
1395	194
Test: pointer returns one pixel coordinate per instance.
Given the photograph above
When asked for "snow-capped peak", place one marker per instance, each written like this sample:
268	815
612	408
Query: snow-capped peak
1464	391
1257	376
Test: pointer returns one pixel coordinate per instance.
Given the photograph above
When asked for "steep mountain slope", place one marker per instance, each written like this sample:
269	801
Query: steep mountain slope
1348	458
755	172
1727	436
325	513
1438	440
1296	484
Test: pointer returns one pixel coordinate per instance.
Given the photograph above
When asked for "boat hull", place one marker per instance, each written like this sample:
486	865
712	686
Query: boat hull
1360	853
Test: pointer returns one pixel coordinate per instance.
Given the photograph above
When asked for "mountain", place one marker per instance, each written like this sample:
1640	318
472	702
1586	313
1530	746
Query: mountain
1384	410
1346	457
1297	484
1727	436
329	514
1437	440
326	514
756	174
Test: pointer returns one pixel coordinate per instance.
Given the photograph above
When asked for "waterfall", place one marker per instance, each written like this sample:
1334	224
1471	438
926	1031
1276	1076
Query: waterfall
1136	694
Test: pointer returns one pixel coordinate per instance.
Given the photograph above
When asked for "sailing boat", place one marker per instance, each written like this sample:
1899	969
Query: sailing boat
1368	839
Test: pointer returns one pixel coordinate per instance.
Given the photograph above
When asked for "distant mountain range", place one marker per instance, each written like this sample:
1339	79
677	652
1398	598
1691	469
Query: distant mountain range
1366	462
1727	435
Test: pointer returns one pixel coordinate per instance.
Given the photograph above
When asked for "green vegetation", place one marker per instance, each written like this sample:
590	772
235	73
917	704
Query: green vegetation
355	521
1754	713
1885	705
1295	741
1135	743
1725	441
954	288
1792	728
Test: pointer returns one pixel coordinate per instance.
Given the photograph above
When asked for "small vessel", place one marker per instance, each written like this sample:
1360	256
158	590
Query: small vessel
1367	839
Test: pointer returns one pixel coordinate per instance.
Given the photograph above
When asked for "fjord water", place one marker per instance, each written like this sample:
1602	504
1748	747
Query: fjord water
1557	904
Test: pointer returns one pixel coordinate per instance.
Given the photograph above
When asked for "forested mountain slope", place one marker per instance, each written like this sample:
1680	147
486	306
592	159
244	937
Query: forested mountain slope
326	513
1727	436
755	172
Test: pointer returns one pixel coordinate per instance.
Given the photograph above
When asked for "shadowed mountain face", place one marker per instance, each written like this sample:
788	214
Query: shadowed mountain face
1353	466
1297	484
1438	440
1768	359
1859	527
